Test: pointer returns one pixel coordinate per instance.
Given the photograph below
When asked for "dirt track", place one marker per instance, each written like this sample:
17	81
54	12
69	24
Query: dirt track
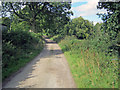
48	70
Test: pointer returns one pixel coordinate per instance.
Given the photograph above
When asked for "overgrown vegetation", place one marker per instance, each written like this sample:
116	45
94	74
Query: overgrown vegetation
93	51
23	28
18	48
79	27
90	67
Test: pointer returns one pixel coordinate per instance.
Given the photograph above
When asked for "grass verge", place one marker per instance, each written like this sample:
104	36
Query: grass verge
22	61
90	68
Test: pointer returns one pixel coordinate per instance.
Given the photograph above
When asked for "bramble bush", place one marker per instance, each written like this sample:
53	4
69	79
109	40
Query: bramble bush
18	47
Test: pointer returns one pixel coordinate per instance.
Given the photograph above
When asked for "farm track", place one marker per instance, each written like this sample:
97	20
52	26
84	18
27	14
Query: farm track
48	70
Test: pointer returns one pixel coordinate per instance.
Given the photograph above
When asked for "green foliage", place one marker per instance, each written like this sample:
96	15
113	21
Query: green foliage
112	17
79	27
16	25
111	26
57	38
93	61
6	21
18	47
90	68
89	49
57	25
37	13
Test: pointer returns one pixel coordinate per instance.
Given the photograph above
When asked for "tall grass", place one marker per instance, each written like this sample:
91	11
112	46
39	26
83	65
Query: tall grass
90	67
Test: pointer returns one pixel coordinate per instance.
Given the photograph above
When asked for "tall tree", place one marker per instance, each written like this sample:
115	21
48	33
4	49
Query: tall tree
111	20
79	27
32	11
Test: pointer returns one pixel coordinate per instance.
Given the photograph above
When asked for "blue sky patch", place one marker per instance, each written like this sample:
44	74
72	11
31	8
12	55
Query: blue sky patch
78	4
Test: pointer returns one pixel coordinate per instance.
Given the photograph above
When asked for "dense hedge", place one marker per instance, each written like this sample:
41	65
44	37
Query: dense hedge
18	47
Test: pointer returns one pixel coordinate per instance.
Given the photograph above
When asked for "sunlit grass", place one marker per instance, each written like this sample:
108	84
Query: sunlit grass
90	68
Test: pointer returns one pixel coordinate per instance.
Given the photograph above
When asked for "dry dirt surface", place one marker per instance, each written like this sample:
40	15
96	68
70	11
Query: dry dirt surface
48	70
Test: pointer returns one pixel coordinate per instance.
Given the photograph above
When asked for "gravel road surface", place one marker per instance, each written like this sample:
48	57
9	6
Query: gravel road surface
48	70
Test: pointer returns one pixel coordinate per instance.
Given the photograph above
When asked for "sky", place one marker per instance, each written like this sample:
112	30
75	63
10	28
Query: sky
87	9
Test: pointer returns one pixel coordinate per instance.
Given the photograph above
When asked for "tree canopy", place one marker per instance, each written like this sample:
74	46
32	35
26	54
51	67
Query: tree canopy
79	27
33	11
111	18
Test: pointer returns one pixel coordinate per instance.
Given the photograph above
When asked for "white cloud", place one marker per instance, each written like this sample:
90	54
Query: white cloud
87	9
0	3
